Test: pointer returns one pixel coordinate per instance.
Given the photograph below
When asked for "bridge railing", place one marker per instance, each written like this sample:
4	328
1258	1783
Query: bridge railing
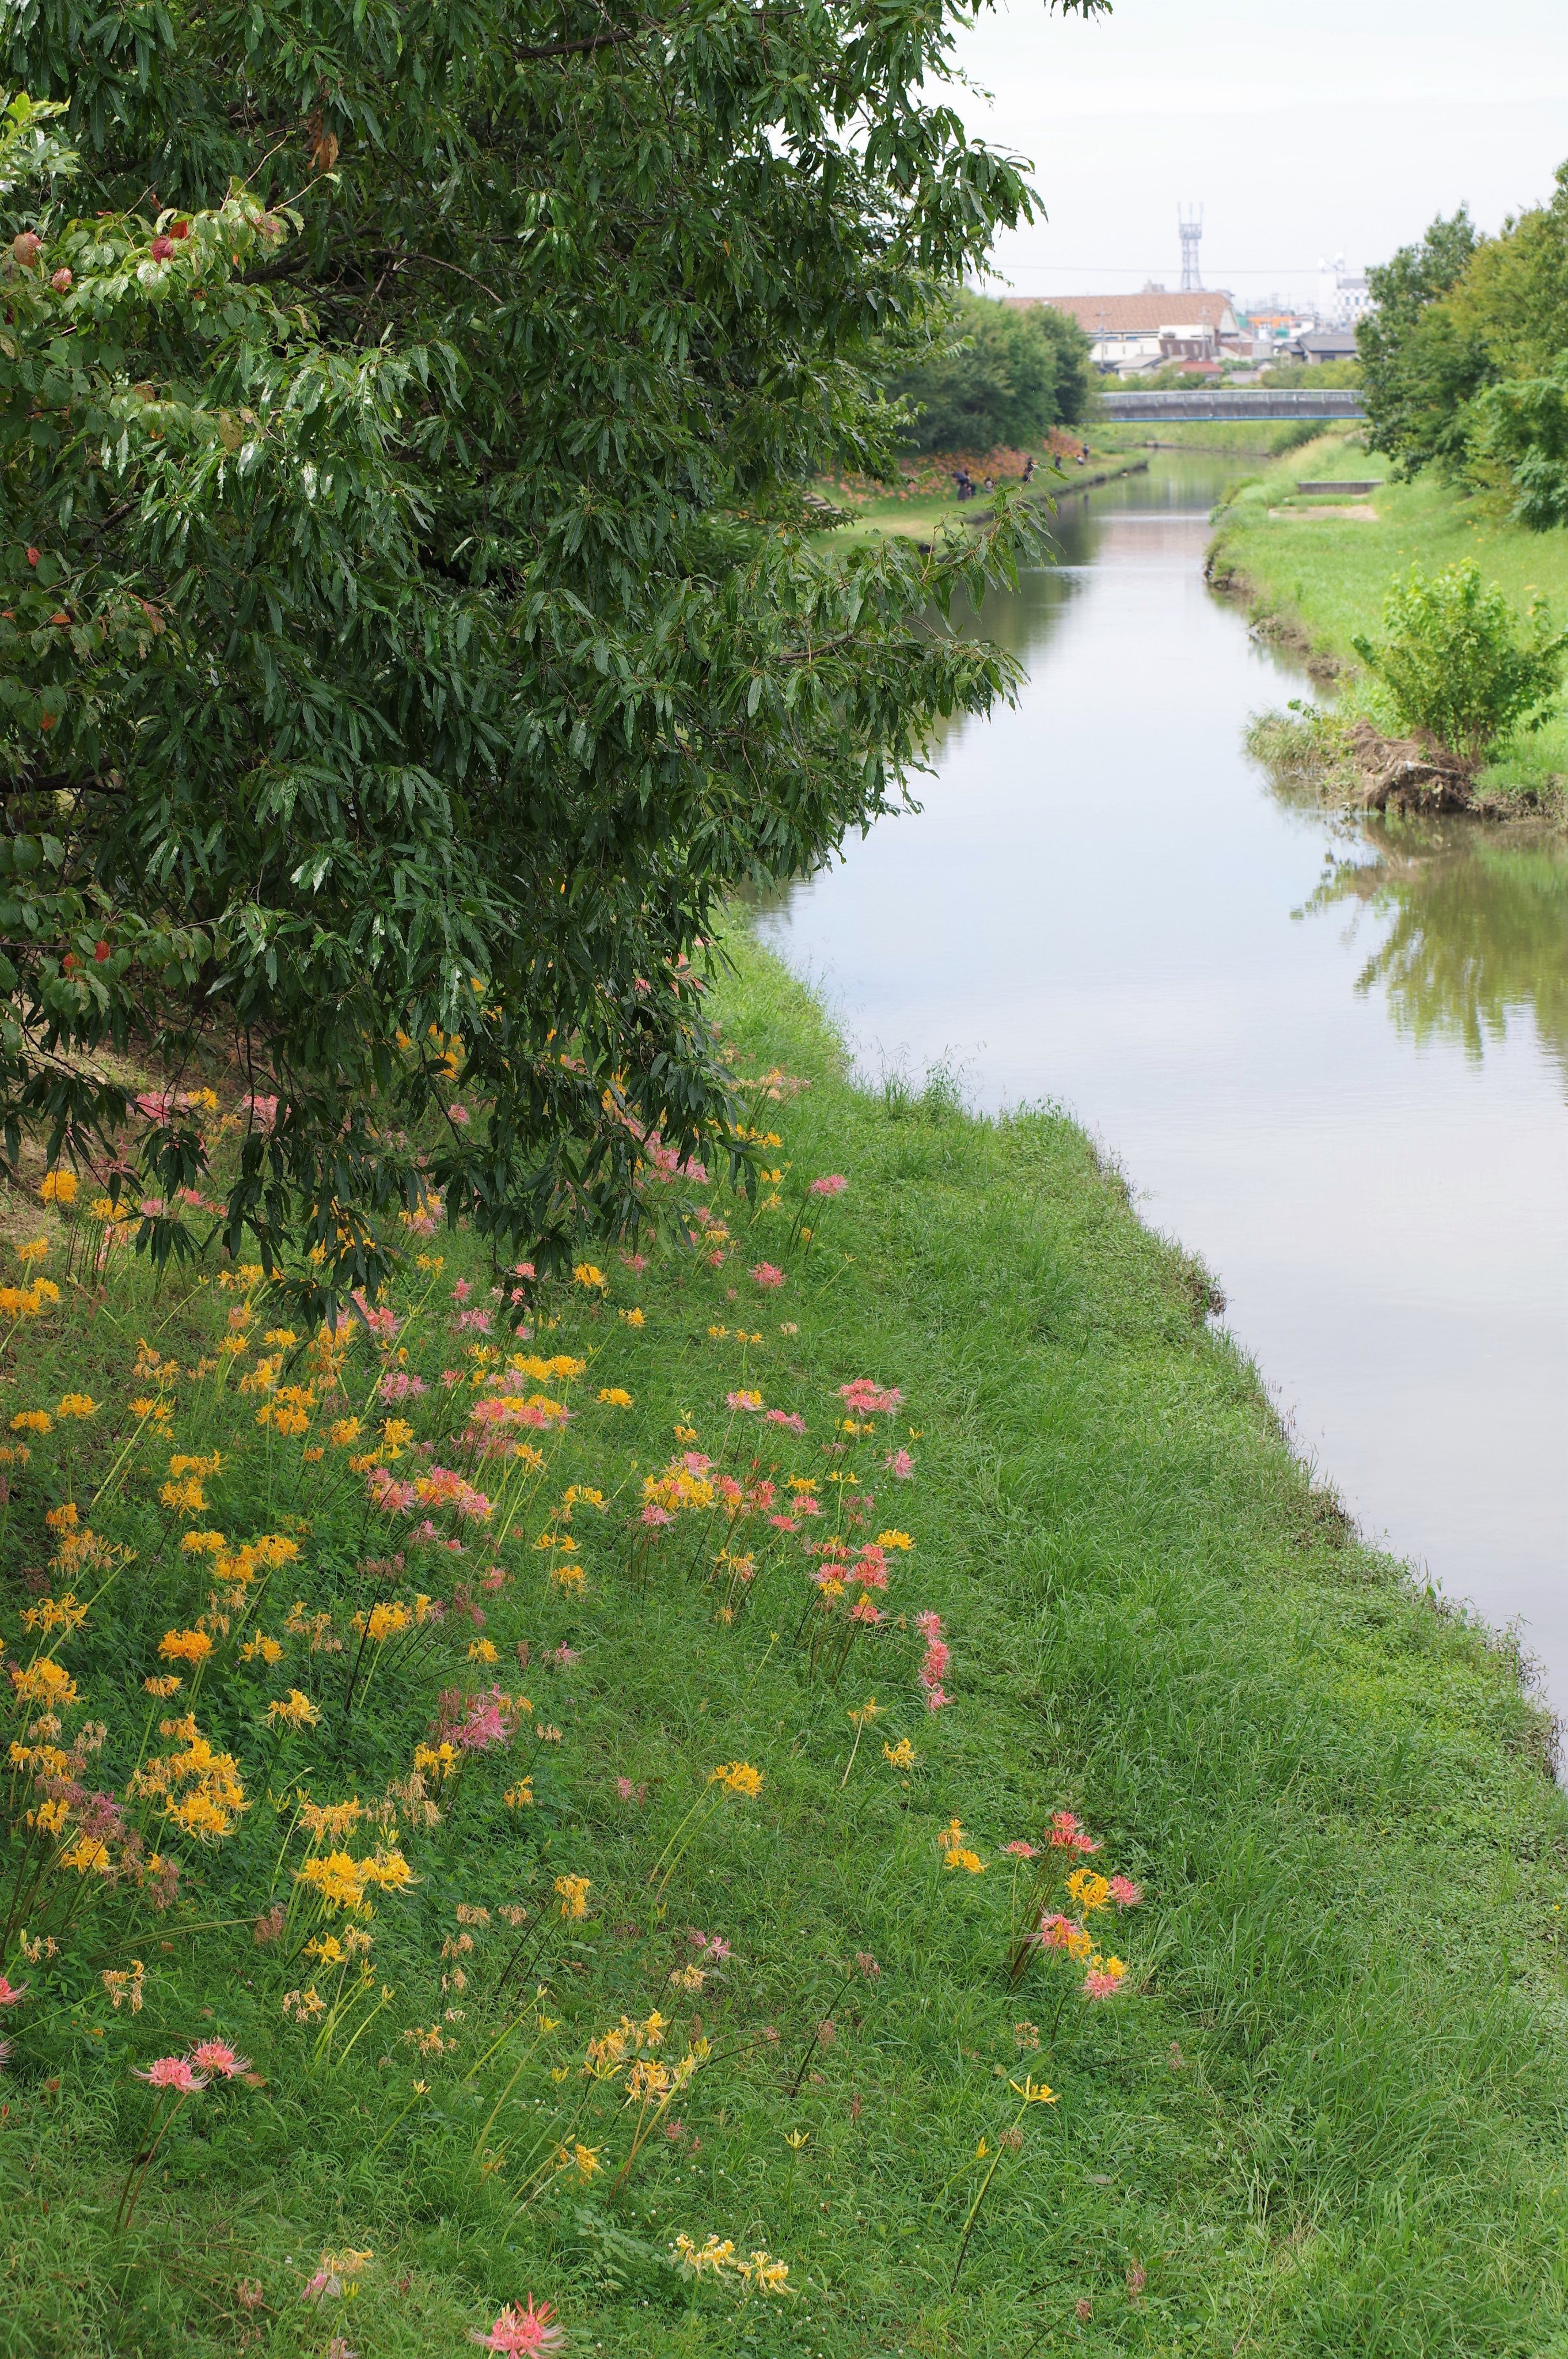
1233	405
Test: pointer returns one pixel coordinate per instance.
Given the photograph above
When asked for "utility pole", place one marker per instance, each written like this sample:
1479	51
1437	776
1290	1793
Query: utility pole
1189	221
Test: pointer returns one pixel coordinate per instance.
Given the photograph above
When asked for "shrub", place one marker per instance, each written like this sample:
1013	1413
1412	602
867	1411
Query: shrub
1316	376
1455	661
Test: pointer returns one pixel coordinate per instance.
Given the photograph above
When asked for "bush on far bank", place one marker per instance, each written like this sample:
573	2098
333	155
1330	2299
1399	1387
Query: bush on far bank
1320	376
995	374
1455	661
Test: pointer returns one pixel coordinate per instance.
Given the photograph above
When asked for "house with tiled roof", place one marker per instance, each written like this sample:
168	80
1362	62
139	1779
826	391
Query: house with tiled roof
1131	332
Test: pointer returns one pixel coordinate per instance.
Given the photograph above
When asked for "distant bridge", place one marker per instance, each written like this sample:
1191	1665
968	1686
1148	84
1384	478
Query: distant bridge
1235	404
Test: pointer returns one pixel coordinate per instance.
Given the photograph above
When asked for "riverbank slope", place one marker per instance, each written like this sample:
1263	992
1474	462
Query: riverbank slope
1321	2114
1315	569
1255	439
1109	450
926	499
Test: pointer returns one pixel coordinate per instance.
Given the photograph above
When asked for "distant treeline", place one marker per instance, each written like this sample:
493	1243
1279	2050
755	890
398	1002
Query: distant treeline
1464	361
995	374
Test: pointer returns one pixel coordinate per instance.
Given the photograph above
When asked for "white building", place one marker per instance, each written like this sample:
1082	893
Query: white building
1130	333
1342	296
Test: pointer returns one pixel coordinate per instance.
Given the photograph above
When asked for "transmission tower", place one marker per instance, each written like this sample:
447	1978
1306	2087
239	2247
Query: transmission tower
1189	221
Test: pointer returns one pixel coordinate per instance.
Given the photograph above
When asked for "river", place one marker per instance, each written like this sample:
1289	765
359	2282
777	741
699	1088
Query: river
1331	1056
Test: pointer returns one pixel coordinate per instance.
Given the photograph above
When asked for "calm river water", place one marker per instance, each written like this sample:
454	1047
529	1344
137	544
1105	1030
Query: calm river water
1331	1056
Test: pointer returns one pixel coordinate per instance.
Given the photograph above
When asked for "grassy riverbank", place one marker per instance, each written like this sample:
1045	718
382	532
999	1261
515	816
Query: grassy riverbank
1110	451
1322	2111
918	513
1320	577
1206	438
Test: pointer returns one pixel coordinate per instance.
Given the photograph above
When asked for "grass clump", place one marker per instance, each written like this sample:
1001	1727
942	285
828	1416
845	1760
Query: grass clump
1304	747
592	1858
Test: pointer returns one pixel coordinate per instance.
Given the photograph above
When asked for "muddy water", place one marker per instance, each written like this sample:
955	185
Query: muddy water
1331	1056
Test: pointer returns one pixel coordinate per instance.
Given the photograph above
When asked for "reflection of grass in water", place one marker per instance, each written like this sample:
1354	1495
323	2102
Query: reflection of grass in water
1479	930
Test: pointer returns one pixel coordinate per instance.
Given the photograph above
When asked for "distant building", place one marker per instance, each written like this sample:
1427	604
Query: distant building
1343	296
1266	332
1129	333
1319	344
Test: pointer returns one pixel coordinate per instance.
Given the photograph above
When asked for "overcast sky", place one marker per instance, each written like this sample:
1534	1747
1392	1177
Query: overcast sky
1304	128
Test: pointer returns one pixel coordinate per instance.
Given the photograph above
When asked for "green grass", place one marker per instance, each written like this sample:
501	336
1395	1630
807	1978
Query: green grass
1240	439
1325	580
1325	2114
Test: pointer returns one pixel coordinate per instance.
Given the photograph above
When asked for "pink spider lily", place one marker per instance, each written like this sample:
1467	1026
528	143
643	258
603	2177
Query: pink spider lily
174	2076
527	2331
217	2056
173	2072
1058	1932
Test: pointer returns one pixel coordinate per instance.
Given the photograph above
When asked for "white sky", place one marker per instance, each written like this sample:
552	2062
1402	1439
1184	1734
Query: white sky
1303	127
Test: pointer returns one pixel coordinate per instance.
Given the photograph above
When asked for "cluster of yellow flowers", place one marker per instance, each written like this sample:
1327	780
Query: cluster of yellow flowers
755	2272
614	2049
344	1883
677	1487
197	1788
25	1302
956	1853
295	1710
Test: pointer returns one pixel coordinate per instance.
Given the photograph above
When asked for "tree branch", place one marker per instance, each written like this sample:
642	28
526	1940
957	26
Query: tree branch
612	38
589	42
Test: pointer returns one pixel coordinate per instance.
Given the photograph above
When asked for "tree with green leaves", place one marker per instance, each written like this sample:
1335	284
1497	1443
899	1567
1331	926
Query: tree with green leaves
1522	427
995	374
1513	295
1419	365
414	618
1457	315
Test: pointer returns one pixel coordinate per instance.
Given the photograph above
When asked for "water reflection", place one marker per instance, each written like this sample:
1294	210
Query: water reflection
1329	1054
1477	931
